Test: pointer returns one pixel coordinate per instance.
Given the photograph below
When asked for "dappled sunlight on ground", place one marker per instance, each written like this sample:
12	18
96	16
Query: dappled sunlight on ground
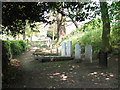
63	74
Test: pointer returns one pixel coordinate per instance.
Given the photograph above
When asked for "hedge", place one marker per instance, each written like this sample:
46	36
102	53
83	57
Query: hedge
11	49
6	53
17	47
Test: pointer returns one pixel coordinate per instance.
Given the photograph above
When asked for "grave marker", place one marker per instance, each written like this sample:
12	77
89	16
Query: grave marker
88	53
69	48
63	49
77	52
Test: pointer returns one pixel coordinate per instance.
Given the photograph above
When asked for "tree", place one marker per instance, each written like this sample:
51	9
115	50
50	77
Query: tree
12	11
61	8
105	45
60	23
38	10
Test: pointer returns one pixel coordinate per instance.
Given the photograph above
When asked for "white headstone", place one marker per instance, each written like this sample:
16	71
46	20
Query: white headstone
69	48
63	51
88	53
77	52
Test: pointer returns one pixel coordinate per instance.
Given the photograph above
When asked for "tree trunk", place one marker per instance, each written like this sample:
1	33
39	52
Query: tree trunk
105	45
31	35
60	28
24	34
75	23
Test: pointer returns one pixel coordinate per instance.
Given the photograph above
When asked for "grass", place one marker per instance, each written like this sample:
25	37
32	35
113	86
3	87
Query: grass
86	38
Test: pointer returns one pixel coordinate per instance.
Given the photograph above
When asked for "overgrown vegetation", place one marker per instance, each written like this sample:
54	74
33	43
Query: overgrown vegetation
6	53
17	47
12	49
91	34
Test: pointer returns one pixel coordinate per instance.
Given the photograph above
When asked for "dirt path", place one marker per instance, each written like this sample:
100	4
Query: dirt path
64	74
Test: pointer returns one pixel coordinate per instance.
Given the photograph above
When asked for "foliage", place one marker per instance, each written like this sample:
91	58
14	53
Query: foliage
50	34
11	49
92	36
17	47
6	53
37	12
115	36
114	11
23	45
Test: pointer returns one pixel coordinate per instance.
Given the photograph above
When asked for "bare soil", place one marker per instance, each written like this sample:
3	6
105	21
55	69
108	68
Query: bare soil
64	74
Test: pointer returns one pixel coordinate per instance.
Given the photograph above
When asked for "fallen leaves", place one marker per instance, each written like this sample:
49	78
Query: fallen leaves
51	77
56	74
106	76
59	75
111	75
14	62
63	77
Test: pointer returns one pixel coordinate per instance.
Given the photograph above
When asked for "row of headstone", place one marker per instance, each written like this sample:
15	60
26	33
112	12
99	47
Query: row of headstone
88	51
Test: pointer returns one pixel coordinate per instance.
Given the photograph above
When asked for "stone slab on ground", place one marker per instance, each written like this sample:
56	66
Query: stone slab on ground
42	53
53	58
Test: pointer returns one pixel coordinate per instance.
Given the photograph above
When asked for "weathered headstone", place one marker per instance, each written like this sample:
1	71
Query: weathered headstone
77	52
69	48
63	47
88	53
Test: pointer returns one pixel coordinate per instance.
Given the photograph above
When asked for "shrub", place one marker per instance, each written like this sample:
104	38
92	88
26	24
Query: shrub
17	47
6	54
23	45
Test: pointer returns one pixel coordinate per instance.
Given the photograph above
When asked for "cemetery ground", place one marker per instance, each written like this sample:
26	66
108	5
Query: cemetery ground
31	73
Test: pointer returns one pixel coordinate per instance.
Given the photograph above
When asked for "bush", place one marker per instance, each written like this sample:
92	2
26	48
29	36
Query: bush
6	54
23	45
17	47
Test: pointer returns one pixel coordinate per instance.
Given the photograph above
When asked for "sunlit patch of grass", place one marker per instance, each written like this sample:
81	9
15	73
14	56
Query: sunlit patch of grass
92	36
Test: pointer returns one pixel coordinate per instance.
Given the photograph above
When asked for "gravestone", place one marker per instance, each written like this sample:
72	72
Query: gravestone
77	52
63	49
69	48
88	53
